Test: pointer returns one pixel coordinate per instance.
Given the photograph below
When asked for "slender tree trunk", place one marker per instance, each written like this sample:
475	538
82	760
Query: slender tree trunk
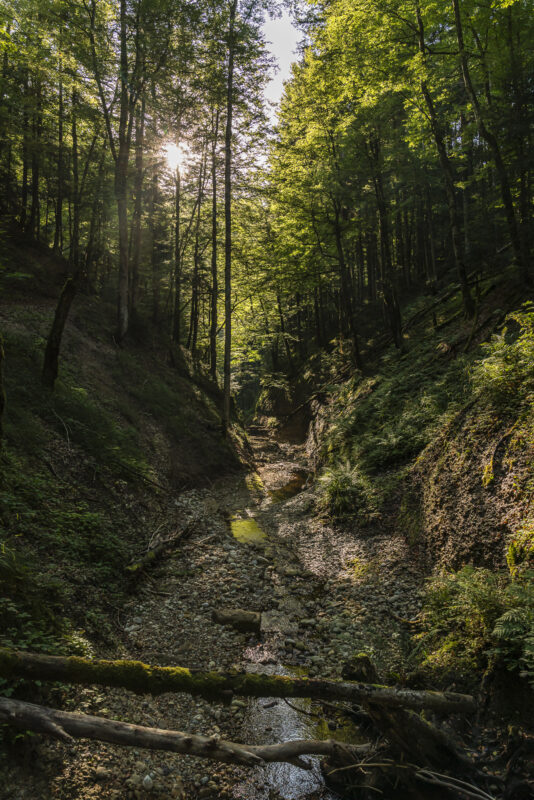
214	276
33	224
491	140
25	155
155	258
228	216
121	182
347	298
283	332
177	314
70	289
2	390
58	230
523	133
195	300
387	279
75	190
448	177
138	206
4	114
317	311
94	223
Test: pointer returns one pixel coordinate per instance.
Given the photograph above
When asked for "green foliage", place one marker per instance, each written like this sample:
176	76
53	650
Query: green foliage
344	493
53	546
84	422
474	615
505	374
520	552
386	421
27	621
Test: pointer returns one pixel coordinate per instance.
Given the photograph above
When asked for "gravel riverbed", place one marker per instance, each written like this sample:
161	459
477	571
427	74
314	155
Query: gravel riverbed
324	596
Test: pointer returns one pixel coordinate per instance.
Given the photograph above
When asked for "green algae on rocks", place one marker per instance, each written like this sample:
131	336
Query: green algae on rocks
247	531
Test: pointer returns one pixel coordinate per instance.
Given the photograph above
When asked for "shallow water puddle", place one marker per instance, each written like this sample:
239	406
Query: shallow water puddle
272	720
247	531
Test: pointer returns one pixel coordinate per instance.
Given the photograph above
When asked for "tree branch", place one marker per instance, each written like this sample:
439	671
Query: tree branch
67	726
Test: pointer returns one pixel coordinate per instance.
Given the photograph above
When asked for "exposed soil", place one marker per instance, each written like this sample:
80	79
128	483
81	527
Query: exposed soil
324	595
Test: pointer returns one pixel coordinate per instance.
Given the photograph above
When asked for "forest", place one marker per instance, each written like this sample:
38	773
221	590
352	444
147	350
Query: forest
266	400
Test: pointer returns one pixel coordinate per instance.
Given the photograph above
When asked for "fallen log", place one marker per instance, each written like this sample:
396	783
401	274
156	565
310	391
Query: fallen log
159	550
145	679
67	726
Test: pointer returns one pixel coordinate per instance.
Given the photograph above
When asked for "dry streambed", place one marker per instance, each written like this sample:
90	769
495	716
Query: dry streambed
322	597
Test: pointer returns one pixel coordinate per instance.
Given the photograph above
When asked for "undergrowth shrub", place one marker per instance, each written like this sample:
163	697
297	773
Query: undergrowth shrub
475	617
344	493
384	422
506	372
520	553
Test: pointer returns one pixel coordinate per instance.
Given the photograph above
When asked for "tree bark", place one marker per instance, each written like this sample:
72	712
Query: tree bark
145	679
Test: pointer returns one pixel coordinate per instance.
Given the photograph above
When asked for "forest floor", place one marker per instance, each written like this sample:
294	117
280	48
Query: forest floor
324	596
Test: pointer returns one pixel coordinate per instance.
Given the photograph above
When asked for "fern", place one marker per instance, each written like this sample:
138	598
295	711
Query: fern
512	624
475	614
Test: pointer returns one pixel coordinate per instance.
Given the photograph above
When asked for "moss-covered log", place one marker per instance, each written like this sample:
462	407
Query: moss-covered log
144	679
66	726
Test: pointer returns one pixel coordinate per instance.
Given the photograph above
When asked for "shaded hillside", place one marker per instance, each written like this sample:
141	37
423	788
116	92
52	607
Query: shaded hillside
89	472
436	439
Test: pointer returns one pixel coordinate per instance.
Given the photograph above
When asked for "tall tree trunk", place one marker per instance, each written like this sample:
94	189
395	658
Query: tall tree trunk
94	223
214	276
387	279
121	181
25	155
69	291
195	300
491	140
177	314
155	257
33	224
58	229
448	177
75	191
347	294
120	154
228	216
138	206
283	332
2	390
523	135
